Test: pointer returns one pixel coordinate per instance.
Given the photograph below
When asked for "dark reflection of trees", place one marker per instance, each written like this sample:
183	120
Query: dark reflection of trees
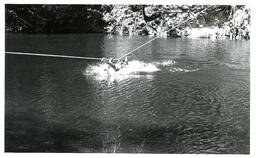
64	44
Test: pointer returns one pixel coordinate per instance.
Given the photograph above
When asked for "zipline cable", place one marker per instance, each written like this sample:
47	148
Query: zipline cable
54	55
126	54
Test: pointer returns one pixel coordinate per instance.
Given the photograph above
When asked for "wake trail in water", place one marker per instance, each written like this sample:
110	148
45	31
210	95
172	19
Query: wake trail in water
176	69
134	69
171	65
165	63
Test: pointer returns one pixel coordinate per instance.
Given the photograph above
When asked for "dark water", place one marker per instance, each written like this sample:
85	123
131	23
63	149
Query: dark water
197	104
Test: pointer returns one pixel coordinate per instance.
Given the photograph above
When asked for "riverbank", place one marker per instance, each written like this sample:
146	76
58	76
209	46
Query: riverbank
217	22
196	21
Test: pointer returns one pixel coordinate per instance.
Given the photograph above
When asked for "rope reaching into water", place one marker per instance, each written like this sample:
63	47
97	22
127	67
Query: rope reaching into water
128	53
53	55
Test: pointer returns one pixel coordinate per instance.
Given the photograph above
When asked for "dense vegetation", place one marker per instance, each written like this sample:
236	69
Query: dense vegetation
162	20
54	18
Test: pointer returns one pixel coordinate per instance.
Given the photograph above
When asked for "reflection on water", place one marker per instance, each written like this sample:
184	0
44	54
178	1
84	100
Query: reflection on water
175	96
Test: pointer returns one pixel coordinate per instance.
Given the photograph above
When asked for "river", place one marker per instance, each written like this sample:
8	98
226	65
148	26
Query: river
176	95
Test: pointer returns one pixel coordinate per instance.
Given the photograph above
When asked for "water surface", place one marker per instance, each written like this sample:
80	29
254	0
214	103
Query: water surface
195	101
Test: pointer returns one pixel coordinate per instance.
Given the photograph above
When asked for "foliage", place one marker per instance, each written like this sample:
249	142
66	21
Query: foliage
239	24
173	20
160	20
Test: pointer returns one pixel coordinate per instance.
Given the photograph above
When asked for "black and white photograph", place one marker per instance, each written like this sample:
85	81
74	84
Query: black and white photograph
127	78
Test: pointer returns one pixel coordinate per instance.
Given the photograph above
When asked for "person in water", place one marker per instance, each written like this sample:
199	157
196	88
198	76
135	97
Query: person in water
116	64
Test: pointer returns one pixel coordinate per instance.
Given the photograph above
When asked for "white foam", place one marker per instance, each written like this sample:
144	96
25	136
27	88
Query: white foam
138	66
103	71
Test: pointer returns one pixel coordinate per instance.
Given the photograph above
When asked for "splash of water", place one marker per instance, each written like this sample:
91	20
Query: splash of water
103	71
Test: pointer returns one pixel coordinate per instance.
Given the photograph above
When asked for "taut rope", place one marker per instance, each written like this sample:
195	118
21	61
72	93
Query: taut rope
53	55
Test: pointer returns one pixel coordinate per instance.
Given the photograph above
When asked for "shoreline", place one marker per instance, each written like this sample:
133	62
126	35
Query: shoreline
213	33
